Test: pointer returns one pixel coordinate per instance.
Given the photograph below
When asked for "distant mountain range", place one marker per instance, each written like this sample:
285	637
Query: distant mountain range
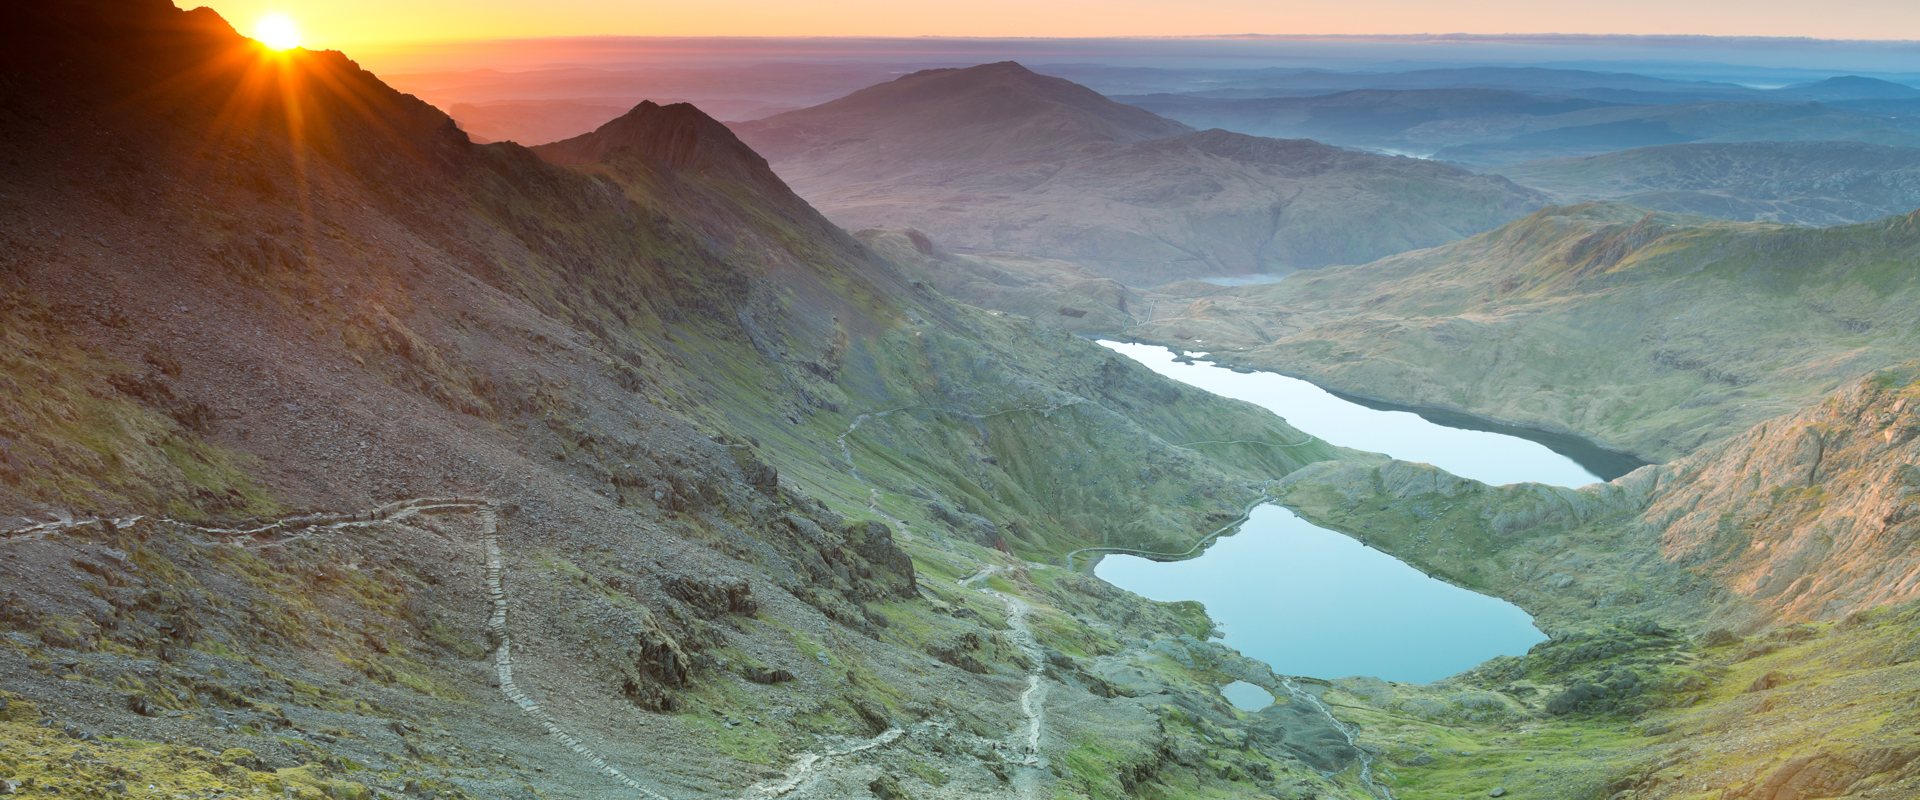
1511	121
1804	183
997	157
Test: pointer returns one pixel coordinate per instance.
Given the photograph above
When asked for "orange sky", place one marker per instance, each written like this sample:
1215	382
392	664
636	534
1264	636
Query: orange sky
344	23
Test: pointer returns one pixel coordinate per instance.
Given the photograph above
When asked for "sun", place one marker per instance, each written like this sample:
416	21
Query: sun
277	32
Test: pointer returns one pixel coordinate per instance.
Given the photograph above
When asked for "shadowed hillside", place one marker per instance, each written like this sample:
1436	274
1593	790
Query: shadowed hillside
344	457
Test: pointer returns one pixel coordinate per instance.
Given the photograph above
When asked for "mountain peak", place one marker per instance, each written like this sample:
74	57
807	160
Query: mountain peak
994	110
679	135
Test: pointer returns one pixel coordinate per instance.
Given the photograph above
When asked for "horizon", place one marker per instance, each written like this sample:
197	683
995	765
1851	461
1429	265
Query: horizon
426	23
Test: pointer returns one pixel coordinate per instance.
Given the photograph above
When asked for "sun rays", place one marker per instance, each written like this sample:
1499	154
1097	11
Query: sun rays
277	32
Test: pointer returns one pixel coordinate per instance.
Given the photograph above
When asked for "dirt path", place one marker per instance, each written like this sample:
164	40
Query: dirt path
804	769
1033	700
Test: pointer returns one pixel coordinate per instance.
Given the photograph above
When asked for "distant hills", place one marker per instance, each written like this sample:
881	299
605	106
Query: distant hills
1499	126
1244	84
997	157
1804	183
1653	332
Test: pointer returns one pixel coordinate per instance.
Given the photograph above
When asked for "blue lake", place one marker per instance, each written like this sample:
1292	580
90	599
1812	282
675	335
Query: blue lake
1310	601
1484	455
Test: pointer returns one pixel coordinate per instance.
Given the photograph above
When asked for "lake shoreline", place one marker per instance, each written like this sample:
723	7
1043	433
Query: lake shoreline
1610	459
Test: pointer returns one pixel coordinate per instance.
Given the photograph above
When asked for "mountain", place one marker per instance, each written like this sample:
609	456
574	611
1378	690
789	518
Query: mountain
345	457
1847	87
1279	82
1651	332
1789	544
1621	128
1802	183
684	139
1499	126
984	113
1367	117
996	157
1698	607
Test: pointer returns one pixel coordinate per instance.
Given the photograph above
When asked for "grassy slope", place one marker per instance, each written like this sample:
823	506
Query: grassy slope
405	314
1648	332
1795	533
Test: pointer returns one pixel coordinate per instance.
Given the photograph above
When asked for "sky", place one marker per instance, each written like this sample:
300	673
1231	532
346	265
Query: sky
344	24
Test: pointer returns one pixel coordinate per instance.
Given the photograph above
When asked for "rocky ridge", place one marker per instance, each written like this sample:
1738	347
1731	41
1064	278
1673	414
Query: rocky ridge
648	364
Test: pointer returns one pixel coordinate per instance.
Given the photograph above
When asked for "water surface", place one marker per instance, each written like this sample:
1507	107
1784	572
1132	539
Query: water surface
1484	455
1309	601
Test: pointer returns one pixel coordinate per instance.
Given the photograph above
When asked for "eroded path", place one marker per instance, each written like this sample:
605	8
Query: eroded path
1034	699
804	769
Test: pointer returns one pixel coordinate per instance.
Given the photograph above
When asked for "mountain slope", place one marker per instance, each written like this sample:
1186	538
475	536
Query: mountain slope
1786	548
988	112
1622	127
1802	183
1651	332
375	461
1107	185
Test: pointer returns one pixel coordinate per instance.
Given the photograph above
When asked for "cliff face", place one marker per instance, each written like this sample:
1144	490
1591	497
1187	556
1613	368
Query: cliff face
1812	516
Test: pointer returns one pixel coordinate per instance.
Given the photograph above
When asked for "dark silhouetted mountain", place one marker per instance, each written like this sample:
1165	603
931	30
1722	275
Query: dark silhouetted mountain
680	136
996	157
321	393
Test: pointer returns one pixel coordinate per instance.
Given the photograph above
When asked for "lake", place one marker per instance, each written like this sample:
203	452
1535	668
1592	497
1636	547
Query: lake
1463	445
1311	601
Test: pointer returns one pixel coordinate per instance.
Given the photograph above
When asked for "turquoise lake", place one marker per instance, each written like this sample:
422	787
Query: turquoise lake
1314	602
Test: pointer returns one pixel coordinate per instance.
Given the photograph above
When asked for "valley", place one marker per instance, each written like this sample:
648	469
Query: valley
350	449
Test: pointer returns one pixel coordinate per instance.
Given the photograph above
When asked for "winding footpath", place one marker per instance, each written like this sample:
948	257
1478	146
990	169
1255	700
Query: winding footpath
1029	783
1033	700
804	768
